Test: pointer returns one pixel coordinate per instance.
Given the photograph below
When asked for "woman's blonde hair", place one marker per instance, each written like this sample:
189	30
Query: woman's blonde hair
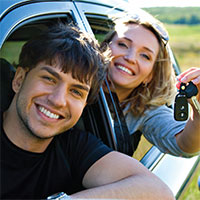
161	89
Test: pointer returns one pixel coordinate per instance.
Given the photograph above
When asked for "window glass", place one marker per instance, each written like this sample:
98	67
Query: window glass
12	47
100	25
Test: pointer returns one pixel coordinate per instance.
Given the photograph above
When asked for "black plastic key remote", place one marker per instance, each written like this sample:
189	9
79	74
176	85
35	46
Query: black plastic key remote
186	91
181	107
190	90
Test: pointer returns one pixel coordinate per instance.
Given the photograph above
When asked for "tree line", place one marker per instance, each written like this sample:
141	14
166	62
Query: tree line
176	15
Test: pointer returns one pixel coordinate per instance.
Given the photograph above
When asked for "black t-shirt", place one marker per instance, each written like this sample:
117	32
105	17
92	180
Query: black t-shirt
28	175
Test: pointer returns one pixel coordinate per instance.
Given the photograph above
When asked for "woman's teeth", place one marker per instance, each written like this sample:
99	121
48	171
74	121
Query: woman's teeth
124	69
48	113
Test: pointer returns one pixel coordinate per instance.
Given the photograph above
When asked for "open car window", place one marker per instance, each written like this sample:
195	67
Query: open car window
101	25
12	46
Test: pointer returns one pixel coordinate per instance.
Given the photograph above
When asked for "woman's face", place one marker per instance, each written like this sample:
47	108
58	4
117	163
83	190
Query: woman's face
134	51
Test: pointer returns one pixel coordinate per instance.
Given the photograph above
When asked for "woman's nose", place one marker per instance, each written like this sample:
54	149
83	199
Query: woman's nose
130	57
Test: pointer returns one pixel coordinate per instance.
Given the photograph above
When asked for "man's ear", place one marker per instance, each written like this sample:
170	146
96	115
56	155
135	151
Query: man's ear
18	79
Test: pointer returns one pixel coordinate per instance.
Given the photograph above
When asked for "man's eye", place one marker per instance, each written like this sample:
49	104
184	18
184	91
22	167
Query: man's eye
76	92
49	79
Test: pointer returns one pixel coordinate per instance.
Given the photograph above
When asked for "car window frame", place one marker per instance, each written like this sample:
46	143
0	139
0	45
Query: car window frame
28	12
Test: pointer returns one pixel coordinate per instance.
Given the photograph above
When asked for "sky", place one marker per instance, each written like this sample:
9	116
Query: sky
158	3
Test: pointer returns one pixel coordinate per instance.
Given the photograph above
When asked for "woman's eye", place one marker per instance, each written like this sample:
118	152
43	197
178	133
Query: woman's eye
145	56
122	44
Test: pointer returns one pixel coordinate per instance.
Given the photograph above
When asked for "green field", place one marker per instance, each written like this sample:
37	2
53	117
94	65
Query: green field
185	42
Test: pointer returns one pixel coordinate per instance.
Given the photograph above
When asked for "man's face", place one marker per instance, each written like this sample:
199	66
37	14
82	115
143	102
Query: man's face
49	101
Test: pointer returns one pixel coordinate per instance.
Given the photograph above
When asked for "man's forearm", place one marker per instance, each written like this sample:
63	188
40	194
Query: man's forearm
134	187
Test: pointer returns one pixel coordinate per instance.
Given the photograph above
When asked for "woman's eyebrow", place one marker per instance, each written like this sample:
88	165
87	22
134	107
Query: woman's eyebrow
148	49
128	39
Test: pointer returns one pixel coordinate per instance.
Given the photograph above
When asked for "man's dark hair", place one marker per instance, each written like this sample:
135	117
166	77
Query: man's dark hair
73	50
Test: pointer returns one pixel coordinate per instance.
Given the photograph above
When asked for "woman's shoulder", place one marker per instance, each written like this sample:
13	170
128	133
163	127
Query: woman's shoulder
164	109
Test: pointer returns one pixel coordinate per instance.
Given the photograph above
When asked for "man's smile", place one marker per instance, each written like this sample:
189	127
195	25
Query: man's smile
48	113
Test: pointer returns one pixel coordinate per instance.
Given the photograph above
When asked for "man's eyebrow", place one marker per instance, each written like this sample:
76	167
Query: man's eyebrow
52	72
82	87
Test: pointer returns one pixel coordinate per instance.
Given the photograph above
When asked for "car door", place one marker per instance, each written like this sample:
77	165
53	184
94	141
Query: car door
19	13
174	171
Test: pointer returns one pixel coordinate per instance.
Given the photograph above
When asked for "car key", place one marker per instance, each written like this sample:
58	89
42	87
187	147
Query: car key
181	105
191	91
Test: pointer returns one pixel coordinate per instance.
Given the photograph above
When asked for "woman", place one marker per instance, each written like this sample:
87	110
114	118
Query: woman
144	80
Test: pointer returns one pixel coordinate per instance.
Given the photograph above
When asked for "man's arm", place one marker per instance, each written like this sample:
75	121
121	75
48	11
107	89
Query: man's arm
119	176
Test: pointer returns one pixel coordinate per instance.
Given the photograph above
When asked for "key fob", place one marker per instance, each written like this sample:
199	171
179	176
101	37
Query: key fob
191	90
181	107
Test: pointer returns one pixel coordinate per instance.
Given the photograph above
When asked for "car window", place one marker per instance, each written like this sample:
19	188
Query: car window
101	25
12	46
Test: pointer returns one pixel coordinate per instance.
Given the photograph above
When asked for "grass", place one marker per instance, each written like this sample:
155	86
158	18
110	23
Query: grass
192	192
185	42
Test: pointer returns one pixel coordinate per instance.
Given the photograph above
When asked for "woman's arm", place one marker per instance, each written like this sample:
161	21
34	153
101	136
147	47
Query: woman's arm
189	139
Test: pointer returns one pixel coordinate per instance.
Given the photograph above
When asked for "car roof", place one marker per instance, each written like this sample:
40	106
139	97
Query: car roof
6	5
112	3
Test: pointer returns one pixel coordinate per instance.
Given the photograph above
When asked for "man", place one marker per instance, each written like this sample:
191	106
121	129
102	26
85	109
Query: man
59	72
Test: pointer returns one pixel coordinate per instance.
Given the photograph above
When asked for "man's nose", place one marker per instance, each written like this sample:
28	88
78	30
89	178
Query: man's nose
58	97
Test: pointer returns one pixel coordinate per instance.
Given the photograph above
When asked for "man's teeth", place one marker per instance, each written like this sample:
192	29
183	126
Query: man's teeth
125	69
48	113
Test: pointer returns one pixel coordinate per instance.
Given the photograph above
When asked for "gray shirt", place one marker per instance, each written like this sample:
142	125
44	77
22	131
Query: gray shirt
159	128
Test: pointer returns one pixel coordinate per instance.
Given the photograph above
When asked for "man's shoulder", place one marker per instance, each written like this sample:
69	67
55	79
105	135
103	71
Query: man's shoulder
75	134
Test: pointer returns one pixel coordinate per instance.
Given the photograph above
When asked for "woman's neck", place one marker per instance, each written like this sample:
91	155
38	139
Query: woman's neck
122	93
